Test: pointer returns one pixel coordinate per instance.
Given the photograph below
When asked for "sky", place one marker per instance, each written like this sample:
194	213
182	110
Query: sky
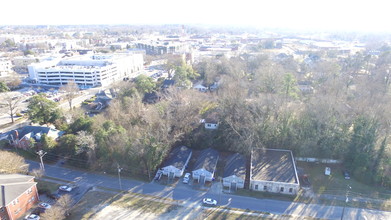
349	15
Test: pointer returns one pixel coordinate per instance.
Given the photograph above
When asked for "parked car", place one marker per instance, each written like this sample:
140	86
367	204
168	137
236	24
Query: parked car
44	205
186	178
54	196
158	175
65	188
32	217
346	174
327	171
209	201
305	181
38	211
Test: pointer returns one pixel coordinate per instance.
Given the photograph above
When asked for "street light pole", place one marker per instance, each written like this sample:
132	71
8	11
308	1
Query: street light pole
41	153
119	176
346	201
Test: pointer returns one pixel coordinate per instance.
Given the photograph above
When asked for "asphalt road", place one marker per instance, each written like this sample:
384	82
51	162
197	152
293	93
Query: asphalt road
188	195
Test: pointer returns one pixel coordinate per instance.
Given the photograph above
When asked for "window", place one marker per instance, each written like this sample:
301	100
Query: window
264	188
17	211
282	189
290	190
256	187
2	209
29	191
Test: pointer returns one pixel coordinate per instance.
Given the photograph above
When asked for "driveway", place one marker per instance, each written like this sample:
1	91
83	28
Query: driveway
190	196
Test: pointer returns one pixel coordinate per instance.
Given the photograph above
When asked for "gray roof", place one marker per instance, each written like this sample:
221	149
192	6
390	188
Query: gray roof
207	160
14	185
273	165
178	157
236	165
34	130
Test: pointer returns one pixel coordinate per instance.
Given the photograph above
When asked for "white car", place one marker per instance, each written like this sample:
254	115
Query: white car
209	201
32	217
327	171
65	188
44	205
186	178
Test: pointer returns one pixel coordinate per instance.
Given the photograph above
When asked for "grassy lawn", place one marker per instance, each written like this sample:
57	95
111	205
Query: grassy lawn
336	184
94	201
264	195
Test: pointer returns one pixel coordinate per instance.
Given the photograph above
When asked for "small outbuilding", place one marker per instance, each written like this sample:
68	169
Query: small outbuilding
273	170
176	162
235	172
205	165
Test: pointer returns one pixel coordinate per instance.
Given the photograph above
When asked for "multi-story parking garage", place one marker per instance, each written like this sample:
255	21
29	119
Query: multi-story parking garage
87	70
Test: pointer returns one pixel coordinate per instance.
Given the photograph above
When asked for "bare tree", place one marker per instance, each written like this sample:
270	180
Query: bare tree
65	203
71	89
86	143
55	212
12	163
12	103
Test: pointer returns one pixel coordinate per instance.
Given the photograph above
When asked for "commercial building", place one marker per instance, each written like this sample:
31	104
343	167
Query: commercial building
5	67
235	172
162	47
273	170
87	70
17	195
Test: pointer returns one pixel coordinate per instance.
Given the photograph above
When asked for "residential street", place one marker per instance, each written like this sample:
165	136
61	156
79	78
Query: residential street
190	196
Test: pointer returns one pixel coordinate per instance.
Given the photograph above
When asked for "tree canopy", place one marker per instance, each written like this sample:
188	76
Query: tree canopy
144	84
3	87
42	110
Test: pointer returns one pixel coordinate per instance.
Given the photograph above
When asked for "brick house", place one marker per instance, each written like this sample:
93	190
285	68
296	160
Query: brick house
21	138
17	195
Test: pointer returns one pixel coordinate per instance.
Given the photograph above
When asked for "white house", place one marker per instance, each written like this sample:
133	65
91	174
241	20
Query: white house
200	87
176	163
235	172
273	170
211	122
205	165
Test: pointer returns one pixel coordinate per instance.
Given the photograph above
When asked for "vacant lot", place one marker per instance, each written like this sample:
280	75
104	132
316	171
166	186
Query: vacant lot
337	184
371	196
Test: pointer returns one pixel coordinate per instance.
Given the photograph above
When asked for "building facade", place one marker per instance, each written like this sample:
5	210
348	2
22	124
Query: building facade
176	162
235	172
18	194
5	67
205	166
87	70
273	170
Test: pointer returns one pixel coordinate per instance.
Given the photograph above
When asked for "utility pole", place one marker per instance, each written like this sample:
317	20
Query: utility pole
346	201
41	153
119	176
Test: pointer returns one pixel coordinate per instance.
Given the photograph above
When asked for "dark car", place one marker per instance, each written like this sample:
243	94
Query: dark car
38	211
346	174
54	196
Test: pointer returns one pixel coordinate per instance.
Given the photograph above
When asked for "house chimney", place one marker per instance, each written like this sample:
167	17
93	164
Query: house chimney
3	196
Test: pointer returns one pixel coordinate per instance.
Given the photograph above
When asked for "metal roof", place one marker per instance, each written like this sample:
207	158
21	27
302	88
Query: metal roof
178	157
275	165
207	160
236	165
